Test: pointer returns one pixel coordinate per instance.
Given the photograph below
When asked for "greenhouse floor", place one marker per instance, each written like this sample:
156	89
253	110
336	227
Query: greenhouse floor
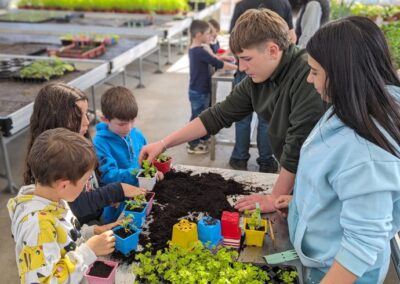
163	107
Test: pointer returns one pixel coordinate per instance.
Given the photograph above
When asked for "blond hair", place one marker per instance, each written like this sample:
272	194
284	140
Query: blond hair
258	26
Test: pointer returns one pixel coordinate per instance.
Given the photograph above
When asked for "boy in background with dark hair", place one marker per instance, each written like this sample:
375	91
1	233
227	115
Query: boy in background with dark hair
215	28
43	227
200	61
118	142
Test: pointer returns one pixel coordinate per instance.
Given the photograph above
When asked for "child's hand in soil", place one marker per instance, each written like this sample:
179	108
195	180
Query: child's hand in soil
131	191
282	204
159	176
266	202
104	228
102	244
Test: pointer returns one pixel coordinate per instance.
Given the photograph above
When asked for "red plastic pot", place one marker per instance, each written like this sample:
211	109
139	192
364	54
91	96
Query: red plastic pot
230	225
163	167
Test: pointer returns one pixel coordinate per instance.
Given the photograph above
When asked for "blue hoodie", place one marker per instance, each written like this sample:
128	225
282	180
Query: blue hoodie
346	202
118	156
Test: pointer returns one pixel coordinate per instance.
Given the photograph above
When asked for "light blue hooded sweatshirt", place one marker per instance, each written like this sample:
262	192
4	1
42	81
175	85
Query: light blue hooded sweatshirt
346	203
118	156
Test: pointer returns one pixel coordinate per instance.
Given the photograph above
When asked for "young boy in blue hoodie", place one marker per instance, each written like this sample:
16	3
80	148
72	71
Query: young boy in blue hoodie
118	142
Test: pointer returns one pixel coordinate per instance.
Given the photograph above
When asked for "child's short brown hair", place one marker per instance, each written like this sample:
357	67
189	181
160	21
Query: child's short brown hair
119	102
60	154
258	26
198	26
215	25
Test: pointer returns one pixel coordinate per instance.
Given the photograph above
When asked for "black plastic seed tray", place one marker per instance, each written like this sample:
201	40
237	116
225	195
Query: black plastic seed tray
9	68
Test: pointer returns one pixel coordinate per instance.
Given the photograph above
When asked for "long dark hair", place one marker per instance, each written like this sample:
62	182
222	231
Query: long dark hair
54	106
355	57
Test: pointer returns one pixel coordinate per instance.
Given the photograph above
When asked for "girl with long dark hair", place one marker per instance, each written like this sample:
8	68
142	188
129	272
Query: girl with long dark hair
346	202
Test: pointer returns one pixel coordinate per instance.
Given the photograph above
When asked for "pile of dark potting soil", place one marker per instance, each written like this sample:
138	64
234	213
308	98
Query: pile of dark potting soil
179	194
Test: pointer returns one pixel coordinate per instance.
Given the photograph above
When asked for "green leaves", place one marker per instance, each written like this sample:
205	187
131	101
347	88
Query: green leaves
196	265
163	158
45	69
255	221
392	34
127	222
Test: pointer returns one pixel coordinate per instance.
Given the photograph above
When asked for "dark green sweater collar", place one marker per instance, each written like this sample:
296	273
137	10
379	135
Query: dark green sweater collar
280	71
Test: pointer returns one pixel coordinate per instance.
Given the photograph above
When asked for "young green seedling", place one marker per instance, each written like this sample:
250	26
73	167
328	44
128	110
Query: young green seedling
255	221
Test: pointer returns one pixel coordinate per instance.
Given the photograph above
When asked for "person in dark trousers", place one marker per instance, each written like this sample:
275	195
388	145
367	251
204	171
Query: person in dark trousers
240	154
200	61
275	87
312	14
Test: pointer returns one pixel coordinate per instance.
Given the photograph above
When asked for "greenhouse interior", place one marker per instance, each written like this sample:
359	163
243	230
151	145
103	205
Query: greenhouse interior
280	162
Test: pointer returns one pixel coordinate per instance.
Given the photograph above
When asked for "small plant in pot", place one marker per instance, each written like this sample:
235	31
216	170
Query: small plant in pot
147	175
137	207
101	271
163	163
255	227
209	231
126	235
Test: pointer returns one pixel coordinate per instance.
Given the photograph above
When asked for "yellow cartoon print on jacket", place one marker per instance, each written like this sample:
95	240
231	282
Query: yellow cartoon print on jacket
45	249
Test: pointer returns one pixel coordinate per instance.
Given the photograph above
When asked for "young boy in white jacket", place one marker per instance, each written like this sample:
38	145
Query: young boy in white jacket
47	235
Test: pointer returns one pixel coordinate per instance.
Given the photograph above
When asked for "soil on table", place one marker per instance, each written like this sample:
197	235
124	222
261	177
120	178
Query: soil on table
180	194
100	269
26	48
124	234
24	93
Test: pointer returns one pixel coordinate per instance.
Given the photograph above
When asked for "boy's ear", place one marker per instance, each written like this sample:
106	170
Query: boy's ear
61	185
273	50
104	119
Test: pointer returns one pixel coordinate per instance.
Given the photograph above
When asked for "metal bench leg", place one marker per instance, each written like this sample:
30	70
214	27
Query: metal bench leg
11	187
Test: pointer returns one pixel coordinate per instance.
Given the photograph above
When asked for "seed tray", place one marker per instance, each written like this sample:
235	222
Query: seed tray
275	271
10	67
79	51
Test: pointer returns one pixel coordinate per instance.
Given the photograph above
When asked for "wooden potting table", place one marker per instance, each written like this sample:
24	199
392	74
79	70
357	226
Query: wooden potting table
249	254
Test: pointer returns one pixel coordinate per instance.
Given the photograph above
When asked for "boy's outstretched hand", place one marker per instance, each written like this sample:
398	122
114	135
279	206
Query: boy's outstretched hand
151	151
266	202
102	244
282	204
131	191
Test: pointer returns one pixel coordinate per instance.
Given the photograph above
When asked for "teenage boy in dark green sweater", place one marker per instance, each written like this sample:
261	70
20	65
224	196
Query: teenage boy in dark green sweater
275	88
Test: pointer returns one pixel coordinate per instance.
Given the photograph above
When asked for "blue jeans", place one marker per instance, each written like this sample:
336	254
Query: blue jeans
243	131
198	102
242	140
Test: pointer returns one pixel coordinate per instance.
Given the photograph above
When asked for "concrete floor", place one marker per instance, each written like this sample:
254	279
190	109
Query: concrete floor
163	107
